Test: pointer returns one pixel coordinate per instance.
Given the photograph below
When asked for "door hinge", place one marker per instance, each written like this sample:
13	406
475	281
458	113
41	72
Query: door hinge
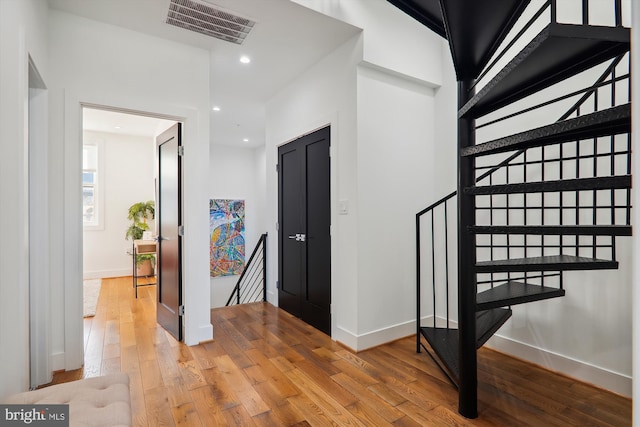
277	284
180	150
277	226
277	167
181	230
181	310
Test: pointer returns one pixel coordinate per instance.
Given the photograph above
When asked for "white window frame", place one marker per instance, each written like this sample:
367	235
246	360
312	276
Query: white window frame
98	186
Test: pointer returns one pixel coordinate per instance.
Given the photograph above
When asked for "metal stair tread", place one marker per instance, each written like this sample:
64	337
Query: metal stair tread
611	121
558	52
444	341
514	292
581	230
545	263
597	183
474	41
471	45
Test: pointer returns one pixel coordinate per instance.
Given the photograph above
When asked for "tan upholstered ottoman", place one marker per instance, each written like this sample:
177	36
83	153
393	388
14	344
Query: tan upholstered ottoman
99	401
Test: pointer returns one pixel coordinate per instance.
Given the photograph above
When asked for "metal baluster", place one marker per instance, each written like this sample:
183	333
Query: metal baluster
446	258
524	210
433	266
554	12
418	284
595	174
491	241
577	207
585	12
618	12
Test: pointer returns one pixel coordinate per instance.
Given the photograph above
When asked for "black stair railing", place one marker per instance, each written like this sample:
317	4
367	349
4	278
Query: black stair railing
251	285
440	229
551	221
441	210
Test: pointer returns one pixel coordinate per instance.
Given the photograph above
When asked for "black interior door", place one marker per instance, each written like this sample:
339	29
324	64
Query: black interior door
169	218
304	235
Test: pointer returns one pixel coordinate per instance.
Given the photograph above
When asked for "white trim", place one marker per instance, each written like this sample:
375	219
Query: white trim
98	186
375	338
195	247
582	371
205	333
564	365
57	361
39	265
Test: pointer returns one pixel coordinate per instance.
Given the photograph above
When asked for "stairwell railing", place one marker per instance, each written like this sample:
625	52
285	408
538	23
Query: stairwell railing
440	210
252	283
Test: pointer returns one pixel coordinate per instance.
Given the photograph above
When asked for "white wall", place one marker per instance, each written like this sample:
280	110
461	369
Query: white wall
579	334
396	143
392	39
238	173
379	100
325	94
104	65
127	177
24	27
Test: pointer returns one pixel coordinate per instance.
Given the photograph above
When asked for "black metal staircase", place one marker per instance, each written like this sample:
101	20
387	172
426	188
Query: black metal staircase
534	204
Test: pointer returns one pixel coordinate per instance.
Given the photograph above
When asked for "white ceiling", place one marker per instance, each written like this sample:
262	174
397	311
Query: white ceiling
286	40
123	124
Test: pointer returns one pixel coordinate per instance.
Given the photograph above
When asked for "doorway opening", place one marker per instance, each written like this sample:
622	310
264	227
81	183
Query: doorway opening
37	158
119	177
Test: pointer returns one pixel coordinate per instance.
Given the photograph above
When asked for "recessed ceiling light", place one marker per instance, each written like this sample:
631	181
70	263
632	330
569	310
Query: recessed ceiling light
116	127
216	108
246	140
245	59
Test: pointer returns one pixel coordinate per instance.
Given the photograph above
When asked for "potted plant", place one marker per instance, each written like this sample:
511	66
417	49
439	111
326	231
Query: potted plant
139	213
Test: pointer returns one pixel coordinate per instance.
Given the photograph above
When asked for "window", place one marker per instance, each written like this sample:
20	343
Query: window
91	190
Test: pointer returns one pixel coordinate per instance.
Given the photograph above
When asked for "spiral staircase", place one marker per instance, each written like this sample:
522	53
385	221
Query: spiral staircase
530	206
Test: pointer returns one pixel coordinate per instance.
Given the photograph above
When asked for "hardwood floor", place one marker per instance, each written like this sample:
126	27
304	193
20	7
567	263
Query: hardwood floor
266	368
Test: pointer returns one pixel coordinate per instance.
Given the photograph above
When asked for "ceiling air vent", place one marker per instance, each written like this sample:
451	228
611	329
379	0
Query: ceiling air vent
208	20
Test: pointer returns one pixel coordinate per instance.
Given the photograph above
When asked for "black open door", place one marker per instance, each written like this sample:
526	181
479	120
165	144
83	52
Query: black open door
304	235
169	219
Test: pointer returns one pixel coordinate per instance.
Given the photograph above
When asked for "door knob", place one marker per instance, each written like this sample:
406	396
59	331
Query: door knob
299	237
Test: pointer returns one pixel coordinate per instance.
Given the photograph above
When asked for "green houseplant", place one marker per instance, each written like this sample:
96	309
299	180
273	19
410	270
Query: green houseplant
139	213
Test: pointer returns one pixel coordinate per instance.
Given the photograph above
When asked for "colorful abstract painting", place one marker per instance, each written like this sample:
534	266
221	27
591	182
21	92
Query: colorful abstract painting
226	224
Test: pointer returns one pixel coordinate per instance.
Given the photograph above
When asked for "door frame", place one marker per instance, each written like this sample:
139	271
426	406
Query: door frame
70	279
322	124
39	284
66	264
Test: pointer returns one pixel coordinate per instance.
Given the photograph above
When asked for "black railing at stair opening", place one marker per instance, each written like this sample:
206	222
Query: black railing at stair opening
570	208
252	283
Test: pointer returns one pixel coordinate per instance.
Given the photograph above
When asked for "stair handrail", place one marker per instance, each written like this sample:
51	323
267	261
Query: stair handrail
262	243
588	92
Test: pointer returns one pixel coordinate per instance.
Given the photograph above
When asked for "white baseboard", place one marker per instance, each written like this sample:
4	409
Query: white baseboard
57	362
583	371
580	370
564	365
205	333
101	274
374	338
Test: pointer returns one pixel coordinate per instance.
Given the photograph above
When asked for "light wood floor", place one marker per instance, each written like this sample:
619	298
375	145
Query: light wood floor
267	368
